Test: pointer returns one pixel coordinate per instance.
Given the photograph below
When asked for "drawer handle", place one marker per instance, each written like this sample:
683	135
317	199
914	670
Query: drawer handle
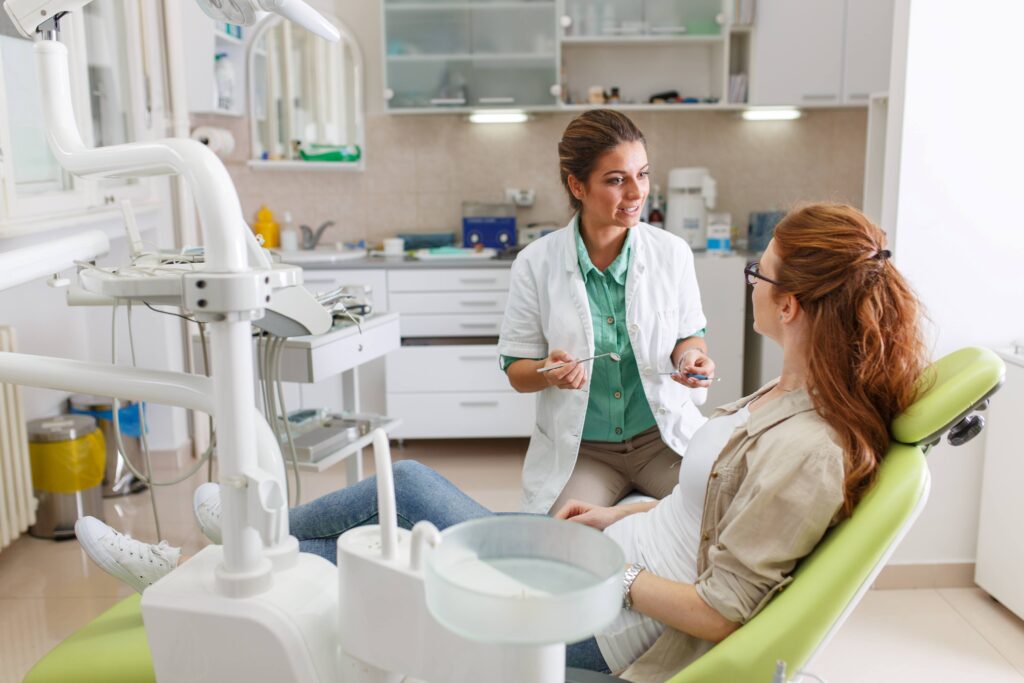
479	280
497	100
478	326
478	404
447	100
484	358
479	303
819	98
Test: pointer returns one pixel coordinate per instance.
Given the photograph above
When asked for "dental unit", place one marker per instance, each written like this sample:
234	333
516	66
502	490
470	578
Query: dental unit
440	607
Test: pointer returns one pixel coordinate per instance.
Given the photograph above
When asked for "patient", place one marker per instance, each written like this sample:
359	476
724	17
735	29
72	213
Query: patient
762	481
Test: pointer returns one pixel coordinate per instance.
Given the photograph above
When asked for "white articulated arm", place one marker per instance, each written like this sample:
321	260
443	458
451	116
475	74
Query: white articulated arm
226	233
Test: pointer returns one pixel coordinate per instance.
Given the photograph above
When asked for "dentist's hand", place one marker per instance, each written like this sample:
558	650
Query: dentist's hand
695	362
590	515
572	376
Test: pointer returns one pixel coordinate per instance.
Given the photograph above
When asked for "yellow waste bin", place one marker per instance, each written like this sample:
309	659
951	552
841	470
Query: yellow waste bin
67	454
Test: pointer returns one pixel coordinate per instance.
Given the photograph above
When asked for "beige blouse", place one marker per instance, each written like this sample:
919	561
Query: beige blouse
774	491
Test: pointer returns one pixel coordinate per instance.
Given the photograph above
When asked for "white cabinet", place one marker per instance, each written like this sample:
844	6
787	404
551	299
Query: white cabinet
797	52
820	52
206	40
867	49
723	294
452	387
1000	554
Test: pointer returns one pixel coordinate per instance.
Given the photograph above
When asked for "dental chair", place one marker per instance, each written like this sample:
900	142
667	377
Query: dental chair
793	628
800	621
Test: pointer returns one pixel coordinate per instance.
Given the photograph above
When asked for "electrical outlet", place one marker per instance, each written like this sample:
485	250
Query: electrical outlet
520	197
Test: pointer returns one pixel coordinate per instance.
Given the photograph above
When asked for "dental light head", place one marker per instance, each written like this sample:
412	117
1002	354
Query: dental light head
29	16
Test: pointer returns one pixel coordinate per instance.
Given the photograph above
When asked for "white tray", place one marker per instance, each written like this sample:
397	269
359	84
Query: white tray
467	255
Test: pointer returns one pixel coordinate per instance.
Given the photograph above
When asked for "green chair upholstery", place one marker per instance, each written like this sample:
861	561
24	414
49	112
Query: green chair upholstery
112	648
793	627
829	583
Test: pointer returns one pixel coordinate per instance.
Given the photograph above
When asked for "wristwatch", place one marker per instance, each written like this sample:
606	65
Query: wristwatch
628	578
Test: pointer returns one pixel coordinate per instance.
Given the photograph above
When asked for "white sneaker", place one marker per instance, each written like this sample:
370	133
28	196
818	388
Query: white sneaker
138	564
206	505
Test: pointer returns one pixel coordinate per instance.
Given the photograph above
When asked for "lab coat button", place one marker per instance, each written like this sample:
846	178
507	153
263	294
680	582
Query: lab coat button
647	372
661	411
634	328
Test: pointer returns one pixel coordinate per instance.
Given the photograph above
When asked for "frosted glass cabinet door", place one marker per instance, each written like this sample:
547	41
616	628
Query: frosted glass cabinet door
692	18
791	64
474	53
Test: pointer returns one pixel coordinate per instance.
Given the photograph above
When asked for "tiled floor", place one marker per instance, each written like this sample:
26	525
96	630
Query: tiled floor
48	589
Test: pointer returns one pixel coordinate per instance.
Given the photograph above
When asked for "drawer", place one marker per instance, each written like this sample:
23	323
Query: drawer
448	280
451	325
447	302
445	369
462	415
326	280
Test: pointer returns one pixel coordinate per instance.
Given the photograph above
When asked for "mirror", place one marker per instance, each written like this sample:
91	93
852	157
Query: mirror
305	98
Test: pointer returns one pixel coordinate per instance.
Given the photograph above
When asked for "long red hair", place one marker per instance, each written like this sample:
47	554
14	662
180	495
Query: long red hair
865	351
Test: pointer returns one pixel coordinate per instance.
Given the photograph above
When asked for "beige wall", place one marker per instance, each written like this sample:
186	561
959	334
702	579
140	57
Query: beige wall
421	168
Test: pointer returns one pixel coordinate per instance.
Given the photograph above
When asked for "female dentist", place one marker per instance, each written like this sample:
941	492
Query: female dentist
605	284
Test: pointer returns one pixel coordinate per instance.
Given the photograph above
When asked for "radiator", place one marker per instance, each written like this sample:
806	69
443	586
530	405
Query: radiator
17	504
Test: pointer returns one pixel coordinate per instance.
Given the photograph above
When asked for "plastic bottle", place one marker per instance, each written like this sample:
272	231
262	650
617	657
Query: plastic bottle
267	228
656	218
224	75
289	235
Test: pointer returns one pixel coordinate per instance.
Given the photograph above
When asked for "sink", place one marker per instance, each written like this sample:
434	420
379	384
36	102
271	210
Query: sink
325	255
523	579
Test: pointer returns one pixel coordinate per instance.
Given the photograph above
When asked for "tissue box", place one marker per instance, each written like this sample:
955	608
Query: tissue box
488	224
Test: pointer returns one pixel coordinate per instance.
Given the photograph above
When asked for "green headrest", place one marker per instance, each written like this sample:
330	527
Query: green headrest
952	386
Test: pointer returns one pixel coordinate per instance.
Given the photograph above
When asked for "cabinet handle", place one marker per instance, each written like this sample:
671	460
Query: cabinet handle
478	326
479	303
448	100
475	358
478	404
479	280
818	98
496	100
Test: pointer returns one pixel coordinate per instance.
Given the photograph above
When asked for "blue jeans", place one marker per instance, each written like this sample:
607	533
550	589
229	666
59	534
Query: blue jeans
420	494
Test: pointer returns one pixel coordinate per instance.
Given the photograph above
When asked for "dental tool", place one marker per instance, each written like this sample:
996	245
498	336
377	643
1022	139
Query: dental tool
614	357
694	375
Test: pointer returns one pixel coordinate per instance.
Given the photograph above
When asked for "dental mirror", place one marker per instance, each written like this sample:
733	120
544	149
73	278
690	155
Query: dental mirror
614	357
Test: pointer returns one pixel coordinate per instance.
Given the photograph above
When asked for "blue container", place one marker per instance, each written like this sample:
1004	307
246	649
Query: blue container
761	228
498	232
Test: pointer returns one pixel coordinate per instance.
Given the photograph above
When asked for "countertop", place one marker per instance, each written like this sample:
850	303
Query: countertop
393	262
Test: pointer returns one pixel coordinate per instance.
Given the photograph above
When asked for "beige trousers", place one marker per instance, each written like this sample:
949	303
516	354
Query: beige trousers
605	472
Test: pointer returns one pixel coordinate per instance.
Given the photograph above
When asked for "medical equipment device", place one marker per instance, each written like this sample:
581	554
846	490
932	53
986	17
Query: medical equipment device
612	356
256	608
691	192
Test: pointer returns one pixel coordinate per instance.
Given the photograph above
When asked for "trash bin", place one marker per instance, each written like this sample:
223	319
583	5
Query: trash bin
118	480
66	455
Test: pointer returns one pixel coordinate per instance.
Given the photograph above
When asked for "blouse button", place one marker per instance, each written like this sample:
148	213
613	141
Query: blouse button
706	537
618	430
617	394
611	320
714	475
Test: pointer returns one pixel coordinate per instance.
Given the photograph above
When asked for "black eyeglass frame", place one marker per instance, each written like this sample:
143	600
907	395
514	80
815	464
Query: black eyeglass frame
753	270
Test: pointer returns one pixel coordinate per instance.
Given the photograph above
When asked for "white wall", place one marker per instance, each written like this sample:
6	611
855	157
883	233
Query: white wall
959	224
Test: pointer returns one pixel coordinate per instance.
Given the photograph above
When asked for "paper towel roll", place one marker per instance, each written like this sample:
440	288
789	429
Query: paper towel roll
219	140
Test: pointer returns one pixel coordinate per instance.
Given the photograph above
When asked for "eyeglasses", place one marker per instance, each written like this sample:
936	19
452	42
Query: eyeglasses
753	274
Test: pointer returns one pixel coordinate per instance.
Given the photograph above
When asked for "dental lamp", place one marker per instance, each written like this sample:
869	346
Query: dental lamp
255	608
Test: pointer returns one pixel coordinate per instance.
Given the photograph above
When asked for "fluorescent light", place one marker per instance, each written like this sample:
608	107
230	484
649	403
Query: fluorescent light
507	116
779	114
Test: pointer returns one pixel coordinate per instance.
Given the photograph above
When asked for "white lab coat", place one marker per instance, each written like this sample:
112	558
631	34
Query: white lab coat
548	309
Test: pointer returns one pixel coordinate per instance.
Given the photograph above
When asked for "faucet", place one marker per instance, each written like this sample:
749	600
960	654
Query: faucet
310	238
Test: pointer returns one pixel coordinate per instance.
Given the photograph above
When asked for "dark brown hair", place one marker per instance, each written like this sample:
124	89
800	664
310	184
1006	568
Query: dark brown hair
865	353
586	138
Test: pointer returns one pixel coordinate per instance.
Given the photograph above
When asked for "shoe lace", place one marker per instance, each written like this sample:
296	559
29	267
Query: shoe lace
146	552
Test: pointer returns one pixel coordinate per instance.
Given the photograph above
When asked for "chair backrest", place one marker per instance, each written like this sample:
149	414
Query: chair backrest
830	581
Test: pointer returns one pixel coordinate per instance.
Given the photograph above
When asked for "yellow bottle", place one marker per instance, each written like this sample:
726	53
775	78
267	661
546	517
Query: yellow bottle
267	228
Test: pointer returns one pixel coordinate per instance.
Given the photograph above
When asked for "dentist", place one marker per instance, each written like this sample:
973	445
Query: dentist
606	283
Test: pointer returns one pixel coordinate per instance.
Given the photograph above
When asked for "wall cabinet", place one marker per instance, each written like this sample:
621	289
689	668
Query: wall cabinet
550	54
206	40
824	52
